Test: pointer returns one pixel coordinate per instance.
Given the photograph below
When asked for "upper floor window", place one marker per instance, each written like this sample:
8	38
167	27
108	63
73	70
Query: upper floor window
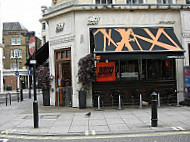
18	41
15	41
134	1
104	1
16	53
20	53
187	1
44	39
165	1
43	26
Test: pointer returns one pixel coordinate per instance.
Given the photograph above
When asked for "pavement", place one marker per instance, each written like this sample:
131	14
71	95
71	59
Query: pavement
17	119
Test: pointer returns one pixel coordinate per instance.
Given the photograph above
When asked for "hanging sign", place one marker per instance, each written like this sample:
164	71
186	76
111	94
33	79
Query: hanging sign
32	45
105	71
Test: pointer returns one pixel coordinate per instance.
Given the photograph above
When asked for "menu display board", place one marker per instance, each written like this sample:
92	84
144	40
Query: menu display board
187	81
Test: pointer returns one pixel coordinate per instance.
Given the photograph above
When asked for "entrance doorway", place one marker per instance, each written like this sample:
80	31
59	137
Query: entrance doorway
63	77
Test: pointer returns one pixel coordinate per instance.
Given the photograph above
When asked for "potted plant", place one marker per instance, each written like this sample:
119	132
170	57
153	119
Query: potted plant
86	75
43	79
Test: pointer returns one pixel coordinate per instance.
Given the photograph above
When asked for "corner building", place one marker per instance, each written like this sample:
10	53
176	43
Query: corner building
147	41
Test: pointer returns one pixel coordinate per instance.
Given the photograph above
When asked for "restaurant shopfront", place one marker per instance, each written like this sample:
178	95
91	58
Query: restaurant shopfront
135	61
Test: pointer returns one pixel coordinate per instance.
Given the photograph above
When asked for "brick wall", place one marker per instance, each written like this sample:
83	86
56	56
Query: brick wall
12	81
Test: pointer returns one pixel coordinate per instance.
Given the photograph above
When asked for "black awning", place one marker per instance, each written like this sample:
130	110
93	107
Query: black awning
138	42
42	55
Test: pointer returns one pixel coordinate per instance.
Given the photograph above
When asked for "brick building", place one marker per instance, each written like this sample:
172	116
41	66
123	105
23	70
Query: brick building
14	54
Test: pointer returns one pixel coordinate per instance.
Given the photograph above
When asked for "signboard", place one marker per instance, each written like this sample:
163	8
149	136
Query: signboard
17	73
105	71
187	81
32	45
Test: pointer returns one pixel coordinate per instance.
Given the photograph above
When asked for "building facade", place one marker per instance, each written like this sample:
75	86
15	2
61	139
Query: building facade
15	55
146	40
1	53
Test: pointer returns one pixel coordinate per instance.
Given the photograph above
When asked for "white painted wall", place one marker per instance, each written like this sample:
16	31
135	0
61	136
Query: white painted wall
76	26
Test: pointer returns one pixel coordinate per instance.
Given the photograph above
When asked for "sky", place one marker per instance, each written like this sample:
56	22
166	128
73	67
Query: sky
27	12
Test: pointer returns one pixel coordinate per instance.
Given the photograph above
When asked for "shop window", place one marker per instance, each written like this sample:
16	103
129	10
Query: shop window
134	1
153	69
165	1
104	2
129	70
145	69
168	70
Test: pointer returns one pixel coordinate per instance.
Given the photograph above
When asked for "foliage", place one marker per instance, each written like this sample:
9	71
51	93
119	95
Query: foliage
43	77
86	72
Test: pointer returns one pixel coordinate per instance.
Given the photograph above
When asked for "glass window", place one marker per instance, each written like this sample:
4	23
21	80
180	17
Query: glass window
109	1
129	69
44	39
153	69
68	54
16	65
146	69
63	54
12	66
43	26
134	1
187	1
97	1
13	42
12	53
104	1
20	53
18	41
15	52
165	1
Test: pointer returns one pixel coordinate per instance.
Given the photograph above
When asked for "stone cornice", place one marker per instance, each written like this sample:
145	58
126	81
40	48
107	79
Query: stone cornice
72	6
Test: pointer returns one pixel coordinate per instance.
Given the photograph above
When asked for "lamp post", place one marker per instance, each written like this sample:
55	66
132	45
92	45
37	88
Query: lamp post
17	75
32	50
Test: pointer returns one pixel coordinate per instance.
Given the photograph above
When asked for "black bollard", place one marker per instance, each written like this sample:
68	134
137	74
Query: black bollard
21	94
10	97
154	118
35	112
6	99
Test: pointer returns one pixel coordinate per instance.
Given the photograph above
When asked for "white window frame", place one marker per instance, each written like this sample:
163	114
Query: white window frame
113	2
20	53
13	41
12	66
18	41
12	53
16	53
16	65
